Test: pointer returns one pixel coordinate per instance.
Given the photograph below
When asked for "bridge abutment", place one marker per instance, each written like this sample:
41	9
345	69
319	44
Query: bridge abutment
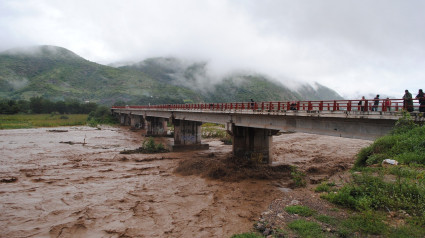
253	143
156	126
187	136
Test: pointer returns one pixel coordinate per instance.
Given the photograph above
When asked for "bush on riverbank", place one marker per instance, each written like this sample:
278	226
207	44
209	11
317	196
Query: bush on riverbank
102	115
148	147
406	144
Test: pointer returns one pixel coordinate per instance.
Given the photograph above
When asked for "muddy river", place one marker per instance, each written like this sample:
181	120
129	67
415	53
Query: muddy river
72	182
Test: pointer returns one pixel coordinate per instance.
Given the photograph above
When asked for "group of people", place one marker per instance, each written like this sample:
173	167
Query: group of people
386	104
407	102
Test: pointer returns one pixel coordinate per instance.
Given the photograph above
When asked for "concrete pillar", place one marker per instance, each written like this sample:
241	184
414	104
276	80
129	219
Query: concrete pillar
253	143
156	126
135	121
187	136
123	119
143	123
127	120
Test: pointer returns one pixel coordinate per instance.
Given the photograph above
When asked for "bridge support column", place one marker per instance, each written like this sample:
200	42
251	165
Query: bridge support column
187	136
135	121
253	143
143	123
156	126
124	120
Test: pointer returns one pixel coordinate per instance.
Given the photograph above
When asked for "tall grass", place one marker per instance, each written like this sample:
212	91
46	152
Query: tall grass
18	121
406	144
399	189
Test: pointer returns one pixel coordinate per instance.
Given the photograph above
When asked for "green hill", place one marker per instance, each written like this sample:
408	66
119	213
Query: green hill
57	74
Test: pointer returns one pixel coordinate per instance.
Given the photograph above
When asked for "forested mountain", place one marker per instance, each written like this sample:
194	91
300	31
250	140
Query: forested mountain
56	73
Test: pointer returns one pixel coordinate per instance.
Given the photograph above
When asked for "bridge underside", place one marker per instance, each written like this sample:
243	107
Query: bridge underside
252	133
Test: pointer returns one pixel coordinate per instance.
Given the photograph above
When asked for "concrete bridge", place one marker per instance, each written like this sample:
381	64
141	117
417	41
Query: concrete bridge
253	124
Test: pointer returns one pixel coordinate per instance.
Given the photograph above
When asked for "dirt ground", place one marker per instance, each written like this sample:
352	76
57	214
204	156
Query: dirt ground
87	189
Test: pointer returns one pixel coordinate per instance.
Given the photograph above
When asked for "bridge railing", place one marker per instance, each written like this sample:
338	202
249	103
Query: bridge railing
366	105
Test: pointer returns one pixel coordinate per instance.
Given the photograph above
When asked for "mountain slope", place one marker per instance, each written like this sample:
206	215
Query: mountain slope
57	74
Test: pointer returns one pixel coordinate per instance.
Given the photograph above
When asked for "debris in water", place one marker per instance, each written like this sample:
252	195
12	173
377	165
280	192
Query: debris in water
72	142
56	130
9	180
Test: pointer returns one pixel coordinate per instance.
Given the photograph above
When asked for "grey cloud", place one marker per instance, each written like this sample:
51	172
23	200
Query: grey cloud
355	47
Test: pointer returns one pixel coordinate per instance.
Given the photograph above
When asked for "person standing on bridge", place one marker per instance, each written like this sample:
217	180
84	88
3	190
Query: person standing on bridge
361	107
387	104
407	101
421	98
375	103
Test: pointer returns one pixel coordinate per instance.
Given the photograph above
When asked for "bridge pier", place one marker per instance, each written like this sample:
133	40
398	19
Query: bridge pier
253	143
156	126
125	119
135	121
187	136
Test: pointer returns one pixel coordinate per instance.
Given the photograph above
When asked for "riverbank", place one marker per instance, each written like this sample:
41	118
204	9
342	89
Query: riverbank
22	121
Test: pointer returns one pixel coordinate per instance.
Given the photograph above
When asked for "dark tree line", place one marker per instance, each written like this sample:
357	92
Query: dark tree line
41	105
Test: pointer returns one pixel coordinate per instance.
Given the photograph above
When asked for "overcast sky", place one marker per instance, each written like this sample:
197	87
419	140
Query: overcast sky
356	47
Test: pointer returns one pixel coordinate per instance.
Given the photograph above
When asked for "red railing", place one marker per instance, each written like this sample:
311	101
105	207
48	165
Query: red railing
367	105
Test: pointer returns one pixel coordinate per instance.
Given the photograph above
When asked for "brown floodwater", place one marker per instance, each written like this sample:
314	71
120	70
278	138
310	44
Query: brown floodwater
75	183
90	190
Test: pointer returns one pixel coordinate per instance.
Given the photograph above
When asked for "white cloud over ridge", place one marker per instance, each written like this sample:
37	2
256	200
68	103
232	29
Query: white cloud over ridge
355	47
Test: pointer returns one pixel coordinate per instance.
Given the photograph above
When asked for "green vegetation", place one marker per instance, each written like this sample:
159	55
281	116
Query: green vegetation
325	187
383	201
101	115
326	219
58	74
300	210
365	223
298	177
247	235
377	192
306	228
19	121
149	147
406	144
212	130
371	192
37	105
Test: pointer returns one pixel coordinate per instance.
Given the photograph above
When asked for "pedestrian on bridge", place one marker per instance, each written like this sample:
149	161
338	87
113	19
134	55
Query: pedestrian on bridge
387	104
421	98
407	101
361	107
375	103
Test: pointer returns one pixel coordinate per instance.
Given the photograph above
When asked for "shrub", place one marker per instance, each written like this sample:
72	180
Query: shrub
150	146
298	177
324	187
101	115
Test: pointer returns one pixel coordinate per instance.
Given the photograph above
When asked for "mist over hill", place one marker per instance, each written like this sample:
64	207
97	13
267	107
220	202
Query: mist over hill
58	74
